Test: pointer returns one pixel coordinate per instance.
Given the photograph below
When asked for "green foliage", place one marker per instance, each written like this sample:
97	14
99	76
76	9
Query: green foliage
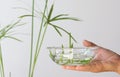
6	32
47	19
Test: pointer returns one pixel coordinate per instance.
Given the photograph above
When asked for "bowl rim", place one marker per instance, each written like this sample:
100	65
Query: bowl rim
72	48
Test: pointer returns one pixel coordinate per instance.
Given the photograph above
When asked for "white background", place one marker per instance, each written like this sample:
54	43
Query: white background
100	24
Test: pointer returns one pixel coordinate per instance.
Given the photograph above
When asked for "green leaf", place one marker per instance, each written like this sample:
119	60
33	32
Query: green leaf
59	28
14	24
73	39
62	49
50	12
63	30
2	33
65	18
51	55
25	16
7	29
11	26
21	24
61	15
58	31
12	38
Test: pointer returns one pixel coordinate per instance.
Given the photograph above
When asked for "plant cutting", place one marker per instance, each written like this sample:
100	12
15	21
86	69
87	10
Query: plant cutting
7	32
72	55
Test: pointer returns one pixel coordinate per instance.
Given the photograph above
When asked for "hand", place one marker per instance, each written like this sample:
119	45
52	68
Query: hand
105	60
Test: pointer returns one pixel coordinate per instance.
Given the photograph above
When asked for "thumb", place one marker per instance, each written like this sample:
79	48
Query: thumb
88	43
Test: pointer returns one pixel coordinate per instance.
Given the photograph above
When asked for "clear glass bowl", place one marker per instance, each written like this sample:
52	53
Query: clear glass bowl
72	56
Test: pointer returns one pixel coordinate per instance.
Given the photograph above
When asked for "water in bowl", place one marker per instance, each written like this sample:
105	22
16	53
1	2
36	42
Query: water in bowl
71	56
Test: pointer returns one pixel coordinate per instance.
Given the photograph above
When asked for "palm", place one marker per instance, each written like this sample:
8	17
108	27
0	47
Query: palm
105	60
103	54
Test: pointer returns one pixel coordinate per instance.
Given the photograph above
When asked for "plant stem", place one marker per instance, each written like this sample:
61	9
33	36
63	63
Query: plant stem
9	74
38	43
1	63
38	51
32	39
42	39
41	26
70	40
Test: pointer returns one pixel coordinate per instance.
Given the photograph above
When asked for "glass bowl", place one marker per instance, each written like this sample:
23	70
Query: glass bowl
72	56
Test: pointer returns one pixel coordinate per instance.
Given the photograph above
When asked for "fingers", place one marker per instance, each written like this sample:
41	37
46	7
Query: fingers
93	67
70	67
88	44
77	68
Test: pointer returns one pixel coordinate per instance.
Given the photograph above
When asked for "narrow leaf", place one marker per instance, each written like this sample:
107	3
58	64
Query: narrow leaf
51	55
59	28
58	31
62	49
61	15
50	12
9	27
73	39
12	38
63	30
16	22
21	24
25	16
65	18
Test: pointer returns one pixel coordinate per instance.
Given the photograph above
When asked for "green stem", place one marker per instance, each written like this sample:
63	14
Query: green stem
1	63
70	40
0	70
32	34
38	40
42	40
41	26
9	74
38	51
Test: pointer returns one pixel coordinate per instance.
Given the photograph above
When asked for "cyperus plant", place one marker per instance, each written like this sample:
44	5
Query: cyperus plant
46	21
7	32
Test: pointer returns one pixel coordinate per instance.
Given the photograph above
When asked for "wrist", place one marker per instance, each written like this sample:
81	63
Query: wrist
118	67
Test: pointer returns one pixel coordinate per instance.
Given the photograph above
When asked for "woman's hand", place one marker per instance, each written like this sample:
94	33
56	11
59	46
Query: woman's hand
105	61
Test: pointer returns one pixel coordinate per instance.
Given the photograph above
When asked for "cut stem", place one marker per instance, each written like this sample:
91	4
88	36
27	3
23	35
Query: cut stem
70	40
1	63
38	51
41	27
33	59
32	39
